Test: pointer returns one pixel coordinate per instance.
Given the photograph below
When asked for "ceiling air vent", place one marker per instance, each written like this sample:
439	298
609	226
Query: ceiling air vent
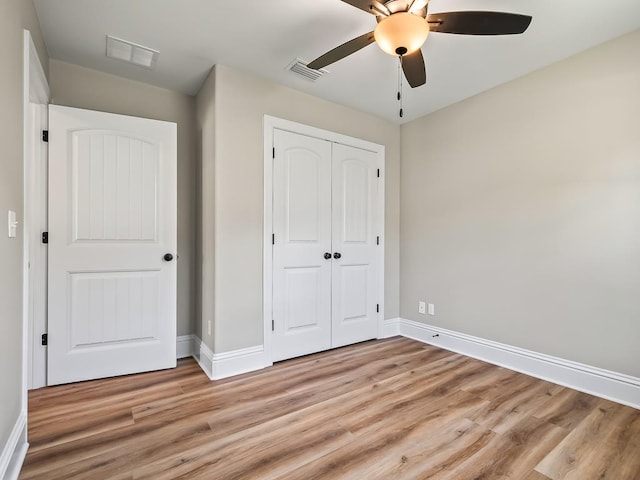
131	52
300	67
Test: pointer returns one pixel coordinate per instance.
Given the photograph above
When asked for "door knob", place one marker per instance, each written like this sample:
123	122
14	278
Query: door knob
167	257
337	255
327	255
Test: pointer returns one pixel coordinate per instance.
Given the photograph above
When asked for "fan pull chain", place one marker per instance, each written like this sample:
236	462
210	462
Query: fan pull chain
400	84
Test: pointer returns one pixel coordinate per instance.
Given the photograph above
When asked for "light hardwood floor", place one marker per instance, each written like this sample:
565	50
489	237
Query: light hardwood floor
392	409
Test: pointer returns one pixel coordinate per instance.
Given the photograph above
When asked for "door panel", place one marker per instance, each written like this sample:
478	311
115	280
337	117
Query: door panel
114	184
355	298
303	196
356	209
112	217
302	290
302	229
112	307
354	283
114	187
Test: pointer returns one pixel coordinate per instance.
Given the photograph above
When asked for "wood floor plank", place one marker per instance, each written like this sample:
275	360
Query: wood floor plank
567	409
533	475
264	448
606	444
418	403
115	453
399	439
510	456
392	409
82	392
270	441
53	425
512	404
395	455
439	451
446	374
295	376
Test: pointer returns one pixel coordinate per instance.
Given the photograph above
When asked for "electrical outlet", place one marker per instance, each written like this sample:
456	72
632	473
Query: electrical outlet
421	308
209	328
432	309
12	223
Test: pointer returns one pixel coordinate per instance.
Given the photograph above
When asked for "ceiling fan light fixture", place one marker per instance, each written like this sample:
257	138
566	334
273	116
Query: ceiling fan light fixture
401	33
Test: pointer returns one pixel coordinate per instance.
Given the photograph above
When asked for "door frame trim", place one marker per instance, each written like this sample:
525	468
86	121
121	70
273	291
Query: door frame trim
271	123
35	90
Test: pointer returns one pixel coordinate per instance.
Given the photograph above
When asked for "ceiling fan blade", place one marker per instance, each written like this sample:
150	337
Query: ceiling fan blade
417	5
414	69
478	23
342	51
362	5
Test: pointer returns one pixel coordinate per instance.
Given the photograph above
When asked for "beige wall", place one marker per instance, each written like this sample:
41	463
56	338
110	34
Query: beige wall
521	211
205	239
241	101
81	87
15	15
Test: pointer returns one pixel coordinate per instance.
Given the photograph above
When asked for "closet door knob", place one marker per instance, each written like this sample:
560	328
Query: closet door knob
167	257
327	255
337	255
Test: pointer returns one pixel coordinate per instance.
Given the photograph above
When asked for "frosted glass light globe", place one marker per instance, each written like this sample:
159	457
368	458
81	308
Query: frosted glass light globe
401	33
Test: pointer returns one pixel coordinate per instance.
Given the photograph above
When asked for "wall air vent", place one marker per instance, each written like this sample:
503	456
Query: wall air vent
300	67
131	52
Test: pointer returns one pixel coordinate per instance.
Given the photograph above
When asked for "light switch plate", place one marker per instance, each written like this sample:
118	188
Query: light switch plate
12	223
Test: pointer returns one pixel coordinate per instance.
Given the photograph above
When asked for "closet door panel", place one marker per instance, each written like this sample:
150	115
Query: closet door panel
302	236
354	233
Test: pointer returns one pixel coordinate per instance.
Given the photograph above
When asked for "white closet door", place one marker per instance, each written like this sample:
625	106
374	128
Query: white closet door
355	228
112	220
302	229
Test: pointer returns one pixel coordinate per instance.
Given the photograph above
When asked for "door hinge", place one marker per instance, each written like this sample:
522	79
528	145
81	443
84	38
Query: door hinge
273	152
273	325
378	173
377	240
378	307
45	135
45	237
45	339
273	239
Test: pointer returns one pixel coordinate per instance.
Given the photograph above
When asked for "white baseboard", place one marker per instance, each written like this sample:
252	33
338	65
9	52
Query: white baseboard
15	450
222	365
186	346
391	328
614	386
239	361
204	357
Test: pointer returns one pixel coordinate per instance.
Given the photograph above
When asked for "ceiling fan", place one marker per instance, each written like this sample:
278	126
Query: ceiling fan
403	27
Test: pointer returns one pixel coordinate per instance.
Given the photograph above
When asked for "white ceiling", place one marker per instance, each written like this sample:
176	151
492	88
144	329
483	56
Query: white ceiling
262	37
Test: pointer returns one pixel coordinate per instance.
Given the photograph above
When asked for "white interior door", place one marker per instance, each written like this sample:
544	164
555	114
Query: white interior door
112	220
302	236
326	225
355	237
